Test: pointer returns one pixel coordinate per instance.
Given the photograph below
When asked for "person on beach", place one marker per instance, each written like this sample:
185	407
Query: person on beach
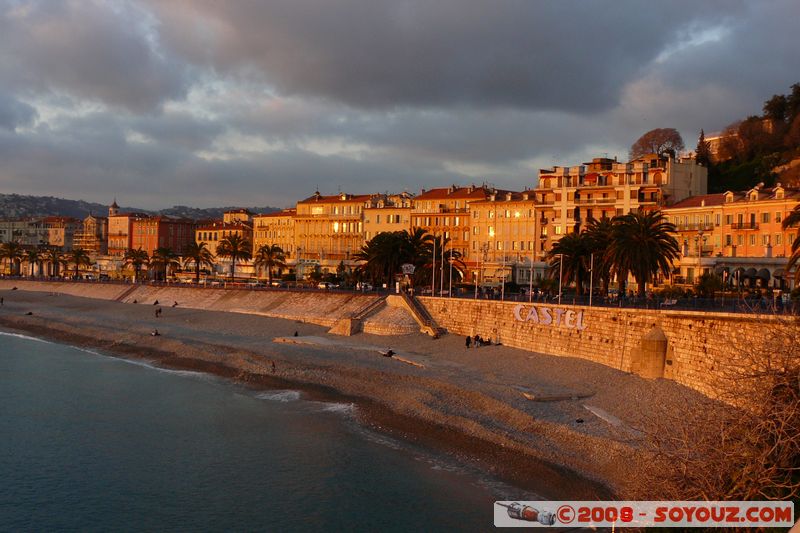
175	304
155	333
155	303
468	341
477	340
158	312
273	367
1	301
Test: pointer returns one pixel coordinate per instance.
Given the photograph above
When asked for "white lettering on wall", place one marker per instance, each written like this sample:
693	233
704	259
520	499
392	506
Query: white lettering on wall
547	316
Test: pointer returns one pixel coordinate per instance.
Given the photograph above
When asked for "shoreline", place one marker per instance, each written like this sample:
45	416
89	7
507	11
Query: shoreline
463	403
480	454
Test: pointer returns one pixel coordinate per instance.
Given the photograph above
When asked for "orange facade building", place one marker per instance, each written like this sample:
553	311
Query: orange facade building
151	233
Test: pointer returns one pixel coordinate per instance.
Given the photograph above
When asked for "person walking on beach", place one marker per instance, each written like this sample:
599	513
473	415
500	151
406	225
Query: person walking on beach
1	301
468	341
158	312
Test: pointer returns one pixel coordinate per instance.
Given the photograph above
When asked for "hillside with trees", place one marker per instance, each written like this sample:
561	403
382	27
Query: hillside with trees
761	148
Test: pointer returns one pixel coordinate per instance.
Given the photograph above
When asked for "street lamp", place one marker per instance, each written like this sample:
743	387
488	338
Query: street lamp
560	275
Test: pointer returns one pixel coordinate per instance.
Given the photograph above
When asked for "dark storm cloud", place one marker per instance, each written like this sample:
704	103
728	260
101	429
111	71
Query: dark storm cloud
92	50
162	102
566	55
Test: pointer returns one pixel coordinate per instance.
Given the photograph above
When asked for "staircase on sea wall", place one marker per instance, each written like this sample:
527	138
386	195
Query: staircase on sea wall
421	315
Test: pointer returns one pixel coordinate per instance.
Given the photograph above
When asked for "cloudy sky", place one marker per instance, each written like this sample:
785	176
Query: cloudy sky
260	102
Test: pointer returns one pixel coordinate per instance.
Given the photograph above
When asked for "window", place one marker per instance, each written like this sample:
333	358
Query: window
474	214
752	239
778	239
718	219
558	230
764	217
377	219
765	239
740	240
778	216
499	246
476	230
728	219
491	214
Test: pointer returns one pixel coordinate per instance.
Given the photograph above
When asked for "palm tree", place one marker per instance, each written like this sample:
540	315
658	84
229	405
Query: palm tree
569	258
52	256
161	260
12	252
643	246
199	255
383	255
79	257
269	257
236	248
599	234
136	259
33	258
794	259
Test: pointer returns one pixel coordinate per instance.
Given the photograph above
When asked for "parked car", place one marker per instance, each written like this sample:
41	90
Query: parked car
363	286
327	285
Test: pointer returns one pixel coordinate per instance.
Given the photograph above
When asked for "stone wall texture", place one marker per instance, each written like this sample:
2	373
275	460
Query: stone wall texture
699	345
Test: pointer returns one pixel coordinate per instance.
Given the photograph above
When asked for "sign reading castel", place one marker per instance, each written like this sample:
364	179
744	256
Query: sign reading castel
548	316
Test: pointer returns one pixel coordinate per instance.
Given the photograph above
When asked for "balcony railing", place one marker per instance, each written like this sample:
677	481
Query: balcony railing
701	226
595	201
744	225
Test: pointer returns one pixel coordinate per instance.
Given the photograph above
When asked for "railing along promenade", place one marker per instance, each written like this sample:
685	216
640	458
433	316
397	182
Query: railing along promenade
738	303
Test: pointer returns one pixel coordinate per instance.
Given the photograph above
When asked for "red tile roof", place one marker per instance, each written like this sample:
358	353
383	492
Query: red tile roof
697	201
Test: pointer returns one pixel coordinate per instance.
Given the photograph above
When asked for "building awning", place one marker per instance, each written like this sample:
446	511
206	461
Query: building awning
750	273
778	273
763	274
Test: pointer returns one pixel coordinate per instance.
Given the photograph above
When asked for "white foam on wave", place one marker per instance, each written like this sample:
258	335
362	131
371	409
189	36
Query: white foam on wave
339	408
21	336
284	396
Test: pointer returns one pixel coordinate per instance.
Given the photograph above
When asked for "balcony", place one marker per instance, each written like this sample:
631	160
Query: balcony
543	221
696	226
595	201
744	225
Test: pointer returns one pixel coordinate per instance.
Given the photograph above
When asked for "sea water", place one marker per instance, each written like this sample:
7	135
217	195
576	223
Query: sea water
96	443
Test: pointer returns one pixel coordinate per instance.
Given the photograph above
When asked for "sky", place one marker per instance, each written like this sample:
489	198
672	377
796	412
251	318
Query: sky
262	102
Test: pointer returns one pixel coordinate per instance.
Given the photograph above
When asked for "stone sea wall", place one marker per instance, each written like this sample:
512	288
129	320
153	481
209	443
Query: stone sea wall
698	346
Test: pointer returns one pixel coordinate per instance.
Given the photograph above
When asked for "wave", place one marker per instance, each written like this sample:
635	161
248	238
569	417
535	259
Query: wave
340	408
284	396
21	336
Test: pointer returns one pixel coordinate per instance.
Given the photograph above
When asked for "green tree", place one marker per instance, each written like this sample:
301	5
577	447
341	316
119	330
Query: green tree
13	253
236	248
198	255
776	108
269	257
382	256
136	259
79	257
709	284
569	258
660	141
643	245
161	260
702	153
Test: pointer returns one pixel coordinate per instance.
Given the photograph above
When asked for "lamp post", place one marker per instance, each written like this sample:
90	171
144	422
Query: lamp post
591	278
560	274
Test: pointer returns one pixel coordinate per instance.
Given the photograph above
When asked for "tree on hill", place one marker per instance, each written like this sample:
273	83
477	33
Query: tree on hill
776	108
702	153
661	141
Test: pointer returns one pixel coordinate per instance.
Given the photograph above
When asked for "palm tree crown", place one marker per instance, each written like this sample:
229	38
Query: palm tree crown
643	245
136	259
269	257
199	255
568	259
12	252
79	257
161	260
236	248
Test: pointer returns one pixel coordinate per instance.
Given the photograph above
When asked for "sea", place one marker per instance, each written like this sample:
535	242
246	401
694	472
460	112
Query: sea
92	442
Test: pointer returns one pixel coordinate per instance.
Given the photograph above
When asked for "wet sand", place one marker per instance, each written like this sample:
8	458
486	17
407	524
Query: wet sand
469	403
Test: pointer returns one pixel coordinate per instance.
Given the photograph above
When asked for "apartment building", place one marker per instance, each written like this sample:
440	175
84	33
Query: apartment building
387	213
571	196
736	234
275	228
52	231
329	230
213	232
504	240
445	211
120	230
152	233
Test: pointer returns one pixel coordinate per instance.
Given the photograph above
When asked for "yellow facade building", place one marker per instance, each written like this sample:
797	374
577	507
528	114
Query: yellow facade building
275	228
